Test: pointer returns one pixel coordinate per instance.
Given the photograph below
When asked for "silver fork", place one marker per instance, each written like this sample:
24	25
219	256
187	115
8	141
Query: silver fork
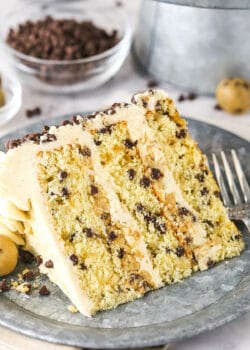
238	209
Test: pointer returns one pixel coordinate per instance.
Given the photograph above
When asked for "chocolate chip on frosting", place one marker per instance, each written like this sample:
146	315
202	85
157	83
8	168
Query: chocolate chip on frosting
74	259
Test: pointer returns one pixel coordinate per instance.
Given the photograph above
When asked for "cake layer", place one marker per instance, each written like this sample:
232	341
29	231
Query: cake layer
192	175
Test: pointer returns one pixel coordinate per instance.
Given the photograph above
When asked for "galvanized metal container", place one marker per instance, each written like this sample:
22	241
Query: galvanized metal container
194	43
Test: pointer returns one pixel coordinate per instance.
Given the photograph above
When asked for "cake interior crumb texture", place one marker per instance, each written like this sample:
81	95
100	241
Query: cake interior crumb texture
127	205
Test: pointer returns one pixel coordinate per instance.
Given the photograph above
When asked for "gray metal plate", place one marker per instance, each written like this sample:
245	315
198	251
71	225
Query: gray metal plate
204	301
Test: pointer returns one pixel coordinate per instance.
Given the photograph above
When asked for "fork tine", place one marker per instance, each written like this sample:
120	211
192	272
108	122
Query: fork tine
220	181
232	186
241	176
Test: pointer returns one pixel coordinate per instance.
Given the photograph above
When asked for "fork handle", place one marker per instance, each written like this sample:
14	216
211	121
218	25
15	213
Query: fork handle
247	223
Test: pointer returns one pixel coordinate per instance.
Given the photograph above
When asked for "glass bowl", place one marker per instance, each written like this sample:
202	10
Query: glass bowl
72	75
13	97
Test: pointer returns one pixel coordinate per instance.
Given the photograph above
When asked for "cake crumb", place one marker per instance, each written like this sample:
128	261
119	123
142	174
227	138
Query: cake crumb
23	288
72	309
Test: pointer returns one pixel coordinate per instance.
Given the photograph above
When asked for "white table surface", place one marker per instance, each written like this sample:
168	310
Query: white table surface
233	336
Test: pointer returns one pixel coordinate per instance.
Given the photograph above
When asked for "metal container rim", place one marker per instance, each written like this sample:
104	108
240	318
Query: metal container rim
211	4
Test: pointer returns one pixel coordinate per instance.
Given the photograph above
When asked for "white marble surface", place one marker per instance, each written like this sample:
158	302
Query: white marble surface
234	336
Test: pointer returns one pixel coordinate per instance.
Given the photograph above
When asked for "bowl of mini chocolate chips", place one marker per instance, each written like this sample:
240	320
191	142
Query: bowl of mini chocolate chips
69	46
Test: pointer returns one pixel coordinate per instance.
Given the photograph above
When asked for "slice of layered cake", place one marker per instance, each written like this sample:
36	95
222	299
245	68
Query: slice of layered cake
116	204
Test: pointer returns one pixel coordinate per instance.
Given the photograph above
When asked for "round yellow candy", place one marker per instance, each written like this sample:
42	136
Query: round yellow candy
8	255
233	95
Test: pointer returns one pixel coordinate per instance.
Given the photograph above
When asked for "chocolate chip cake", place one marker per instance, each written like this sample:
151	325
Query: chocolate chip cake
115	204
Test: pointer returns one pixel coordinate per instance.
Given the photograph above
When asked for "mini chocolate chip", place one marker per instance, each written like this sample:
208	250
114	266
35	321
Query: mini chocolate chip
30	113
65	192
156	174
93	190
49	264
63	175
129	144
236	237
85	151
181	98
29	276
210	262
217	107
4	286
188	240
181	133
152	83
75	120
183	211
168	250
139	207
204	191
72	236
46	128
121	253
44	291
161	227
104	216
107	129
145	182
83	267
97	143
131	174
112	236
74	259
192	96
27	257
208	222
200	177
39	260
238	110
179	251
217	194
134	277
89	233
